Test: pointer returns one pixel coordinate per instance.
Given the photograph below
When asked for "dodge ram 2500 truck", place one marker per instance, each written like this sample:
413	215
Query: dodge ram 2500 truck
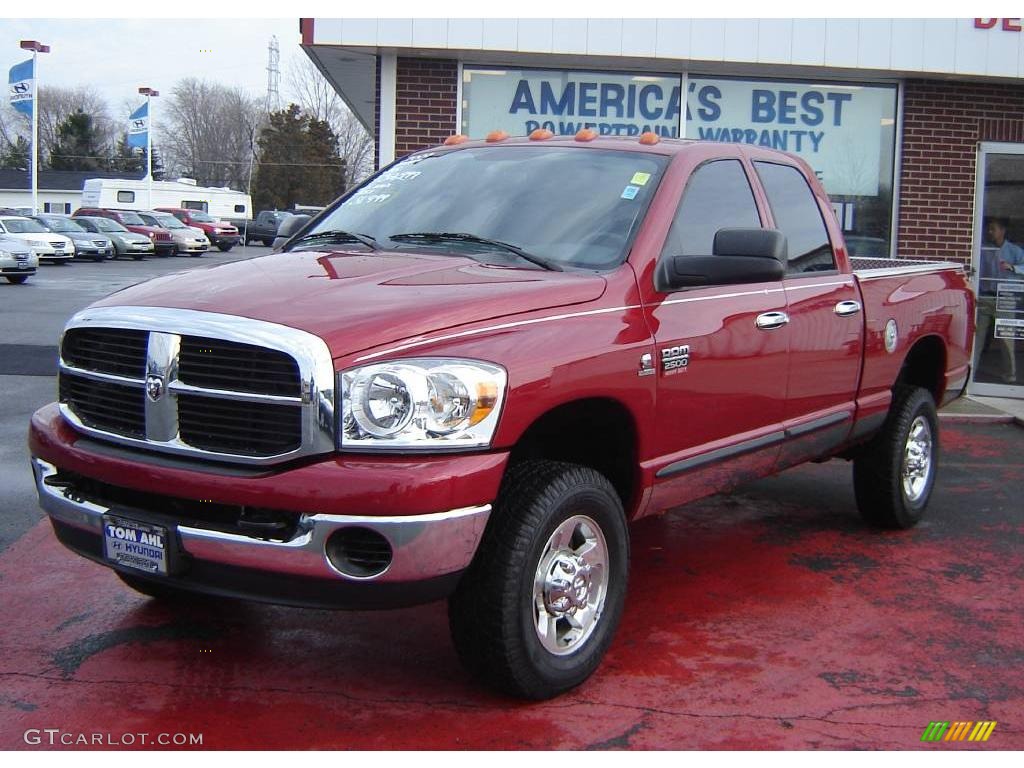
465	377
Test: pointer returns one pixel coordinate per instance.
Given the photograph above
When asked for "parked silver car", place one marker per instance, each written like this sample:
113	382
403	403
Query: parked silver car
125	243
186	239
88	245
18	262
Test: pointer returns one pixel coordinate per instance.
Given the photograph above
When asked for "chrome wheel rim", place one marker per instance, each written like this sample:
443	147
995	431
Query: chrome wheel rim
917	459
570	585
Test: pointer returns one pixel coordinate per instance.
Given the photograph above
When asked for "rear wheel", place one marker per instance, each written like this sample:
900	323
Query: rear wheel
267	241
893	475
537	609
17	279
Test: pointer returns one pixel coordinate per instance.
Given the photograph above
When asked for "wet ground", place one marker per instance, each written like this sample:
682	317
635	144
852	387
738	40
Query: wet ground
769	618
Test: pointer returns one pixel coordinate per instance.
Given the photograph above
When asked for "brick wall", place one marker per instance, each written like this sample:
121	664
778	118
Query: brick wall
942	125
426	94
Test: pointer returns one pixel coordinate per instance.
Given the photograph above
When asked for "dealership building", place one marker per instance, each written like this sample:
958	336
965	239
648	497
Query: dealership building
914	126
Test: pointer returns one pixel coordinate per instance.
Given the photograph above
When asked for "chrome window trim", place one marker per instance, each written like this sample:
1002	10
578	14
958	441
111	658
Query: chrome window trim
310	352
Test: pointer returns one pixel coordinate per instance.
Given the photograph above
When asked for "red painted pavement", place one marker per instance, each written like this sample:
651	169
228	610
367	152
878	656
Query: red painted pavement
770	618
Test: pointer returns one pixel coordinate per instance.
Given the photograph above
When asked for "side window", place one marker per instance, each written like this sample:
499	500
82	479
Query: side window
195	205
798	217
124	196
239	209
717	196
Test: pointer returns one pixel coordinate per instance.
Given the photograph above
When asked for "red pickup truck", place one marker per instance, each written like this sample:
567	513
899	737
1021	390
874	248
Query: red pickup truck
465	377
222	234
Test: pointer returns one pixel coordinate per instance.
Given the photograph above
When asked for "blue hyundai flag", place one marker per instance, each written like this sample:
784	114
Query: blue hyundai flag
23	87
138	126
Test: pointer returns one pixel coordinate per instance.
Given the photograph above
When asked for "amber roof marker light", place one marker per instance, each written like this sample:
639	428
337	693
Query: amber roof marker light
458	138
649	138
586	134
497	136
541	134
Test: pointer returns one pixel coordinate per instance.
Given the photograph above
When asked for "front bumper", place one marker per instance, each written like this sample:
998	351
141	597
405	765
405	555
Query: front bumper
50	254
429	549
220	240
164	246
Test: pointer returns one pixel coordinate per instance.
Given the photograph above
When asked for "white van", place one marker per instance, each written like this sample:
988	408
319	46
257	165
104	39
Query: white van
133	194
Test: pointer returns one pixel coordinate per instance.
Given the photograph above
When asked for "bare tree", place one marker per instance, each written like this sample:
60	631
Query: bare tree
319	100
56	103
207	132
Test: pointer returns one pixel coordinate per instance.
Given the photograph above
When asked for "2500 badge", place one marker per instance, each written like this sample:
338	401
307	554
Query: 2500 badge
675	358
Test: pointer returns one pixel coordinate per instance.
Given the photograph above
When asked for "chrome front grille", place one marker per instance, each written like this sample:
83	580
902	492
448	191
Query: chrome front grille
198	383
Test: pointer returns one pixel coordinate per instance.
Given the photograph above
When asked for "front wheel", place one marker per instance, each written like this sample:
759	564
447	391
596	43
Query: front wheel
893	475
537	609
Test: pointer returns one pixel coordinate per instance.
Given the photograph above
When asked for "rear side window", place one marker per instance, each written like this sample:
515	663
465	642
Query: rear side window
717	196
798	217
239	209
124	196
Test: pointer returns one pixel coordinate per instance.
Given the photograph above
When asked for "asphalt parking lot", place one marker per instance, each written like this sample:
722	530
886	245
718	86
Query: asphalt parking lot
769	618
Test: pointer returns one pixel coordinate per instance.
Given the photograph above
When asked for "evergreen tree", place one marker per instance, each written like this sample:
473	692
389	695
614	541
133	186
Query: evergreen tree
127	160
16	156
298	162
78	145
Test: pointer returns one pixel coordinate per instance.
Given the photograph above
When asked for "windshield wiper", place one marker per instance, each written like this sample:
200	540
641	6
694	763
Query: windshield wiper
466	237
340	236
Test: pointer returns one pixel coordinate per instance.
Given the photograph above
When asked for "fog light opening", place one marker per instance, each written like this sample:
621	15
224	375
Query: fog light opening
359	552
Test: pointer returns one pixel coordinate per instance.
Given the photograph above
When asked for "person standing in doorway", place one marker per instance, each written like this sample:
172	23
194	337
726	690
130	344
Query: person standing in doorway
1011	267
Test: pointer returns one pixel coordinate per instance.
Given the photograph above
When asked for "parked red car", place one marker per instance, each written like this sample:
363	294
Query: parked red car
163	241
222	234
466	377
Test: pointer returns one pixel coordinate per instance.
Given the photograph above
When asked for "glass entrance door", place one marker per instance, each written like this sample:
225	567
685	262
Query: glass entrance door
998	365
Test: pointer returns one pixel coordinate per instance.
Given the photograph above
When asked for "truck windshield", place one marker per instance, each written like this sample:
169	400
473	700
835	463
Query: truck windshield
205	218
132	219
571	206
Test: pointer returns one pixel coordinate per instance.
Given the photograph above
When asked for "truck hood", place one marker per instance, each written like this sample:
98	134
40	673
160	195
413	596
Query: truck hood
356	300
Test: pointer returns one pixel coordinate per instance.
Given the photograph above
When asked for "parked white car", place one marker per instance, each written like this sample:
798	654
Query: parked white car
46	245
17	262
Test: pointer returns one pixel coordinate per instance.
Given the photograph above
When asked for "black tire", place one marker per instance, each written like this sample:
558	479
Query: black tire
492	614
225	248
158	590
17	279
267	242
883	497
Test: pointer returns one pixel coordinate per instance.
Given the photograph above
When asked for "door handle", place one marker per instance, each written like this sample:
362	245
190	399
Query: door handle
768	321
847	308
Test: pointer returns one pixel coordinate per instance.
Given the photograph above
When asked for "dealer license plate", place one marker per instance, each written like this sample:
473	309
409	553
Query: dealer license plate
135	545
58	252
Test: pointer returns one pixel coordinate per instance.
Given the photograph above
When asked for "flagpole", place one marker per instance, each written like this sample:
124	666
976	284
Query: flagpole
149	93
36	48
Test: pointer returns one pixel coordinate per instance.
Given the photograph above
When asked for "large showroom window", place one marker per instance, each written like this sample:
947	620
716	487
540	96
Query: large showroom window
845	132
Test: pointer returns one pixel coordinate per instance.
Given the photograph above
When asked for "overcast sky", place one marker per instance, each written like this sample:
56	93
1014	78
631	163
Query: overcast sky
117	56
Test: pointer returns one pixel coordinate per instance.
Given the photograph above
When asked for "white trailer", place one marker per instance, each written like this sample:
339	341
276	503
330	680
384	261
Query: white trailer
133	194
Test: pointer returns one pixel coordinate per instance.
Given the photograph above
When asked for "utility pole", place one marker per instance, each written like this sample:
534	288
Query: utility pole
149	93
36	48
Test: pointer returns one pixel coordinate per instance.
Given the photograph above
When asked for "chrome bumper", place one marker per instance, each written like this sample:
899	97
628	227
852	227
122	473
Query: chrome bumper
423	546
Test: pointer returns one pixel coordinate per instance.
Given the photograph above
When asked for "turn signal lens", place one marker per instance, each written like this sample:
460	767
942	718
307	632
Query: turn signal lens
649	137
586	134
497	136
458	138
541	134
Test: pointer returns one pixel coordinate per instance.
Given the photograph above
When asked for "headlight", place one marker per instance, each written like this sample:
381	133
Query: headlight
420	404
6	254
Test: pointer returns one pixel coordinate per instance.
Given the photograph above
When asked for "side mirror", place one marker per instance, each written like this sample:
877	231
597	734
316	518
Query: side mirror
740	256
289	227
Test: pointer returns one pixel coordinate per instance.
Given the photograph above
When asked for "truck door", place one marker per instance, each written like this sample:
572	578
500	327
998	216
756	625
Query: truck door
825	319
721	354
